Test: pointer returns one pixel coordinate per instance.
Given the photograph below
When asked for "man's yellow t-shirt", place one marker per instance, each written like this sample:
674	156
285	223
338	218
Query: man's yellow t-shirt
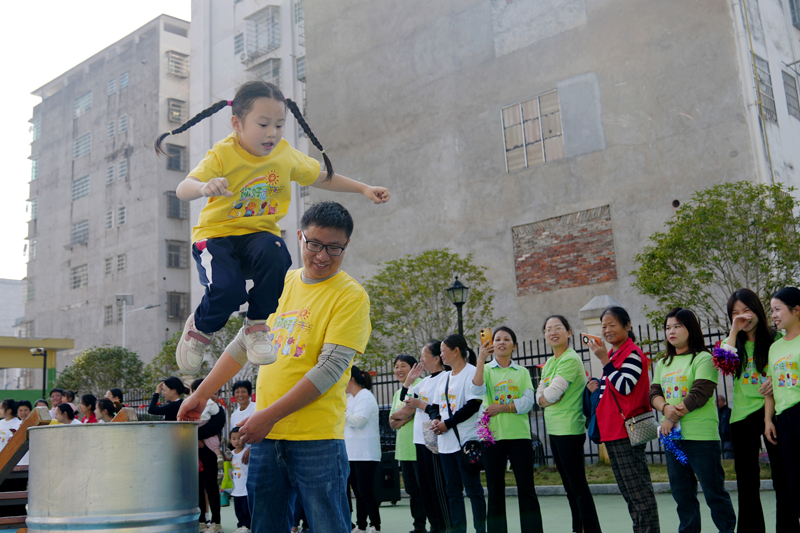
334	311
261	188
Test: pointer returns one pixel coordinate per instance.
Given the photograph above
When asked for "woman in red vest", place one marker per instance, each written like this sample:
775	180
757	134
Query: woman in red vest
626	380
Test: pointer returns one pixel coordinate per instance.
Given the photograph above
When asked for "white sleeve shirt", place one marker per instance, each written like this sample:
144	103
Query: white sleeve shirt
363	443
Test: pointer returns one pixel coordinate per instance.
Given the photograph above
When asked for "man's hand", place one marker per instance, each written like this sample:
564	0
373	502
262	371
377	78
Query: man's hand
256	427
192	407
246	456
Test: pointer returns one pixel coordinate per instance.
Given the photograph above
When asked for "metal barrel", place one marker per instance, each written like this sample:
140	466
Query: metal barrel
128	476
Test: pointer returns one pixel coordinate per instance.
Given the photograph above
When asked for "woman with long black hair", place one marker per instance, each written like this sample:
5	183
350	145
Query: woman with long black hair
460	411
751	338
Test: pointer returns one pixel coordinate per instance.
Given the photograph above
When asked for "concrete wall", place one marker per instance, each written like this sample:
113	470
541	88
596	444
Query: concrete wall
409	94
12	308
59	311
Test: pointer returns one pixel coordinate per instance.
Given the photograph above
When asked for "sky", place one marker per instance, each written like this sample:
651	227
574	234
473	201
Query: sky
42	40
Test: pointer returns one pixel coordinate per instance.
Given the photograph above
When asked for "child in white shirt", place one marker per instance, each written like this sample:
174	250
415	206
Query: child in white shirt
239	477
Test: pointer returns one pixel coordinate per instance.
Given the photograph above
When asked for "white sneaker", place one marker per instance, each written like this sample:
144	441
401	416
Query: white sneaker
257	339
356	530
191	348
214	528
370	529
203	528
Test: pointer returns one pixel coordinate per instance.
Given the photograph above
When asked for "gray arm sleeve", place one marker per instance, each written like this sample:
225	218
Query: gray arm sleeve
333	362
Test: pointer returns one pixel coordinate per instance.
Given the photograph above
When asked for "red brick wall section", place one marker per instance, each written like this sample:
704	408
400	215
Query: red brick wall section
567	251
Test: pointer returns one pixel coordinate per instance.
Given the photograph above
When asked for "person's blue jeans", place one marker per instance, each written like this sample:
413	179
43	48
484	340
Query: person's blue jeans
703	462
458	481
317	470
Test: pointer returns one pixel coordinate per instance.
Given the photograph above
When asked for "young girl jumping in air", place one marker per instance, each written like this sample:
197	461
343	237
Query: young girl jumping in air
247	179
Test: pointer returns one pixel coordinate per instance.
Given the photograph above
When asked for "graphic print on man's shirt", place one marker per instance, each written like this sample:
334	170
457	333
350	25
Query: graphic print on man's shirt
506	391
751	376
786	371
674	385
258	197
290	330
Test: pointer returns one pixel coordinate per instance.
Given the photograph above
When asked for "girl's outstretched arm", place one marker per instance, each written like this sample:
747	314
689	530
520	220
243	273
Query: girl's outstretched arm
339	183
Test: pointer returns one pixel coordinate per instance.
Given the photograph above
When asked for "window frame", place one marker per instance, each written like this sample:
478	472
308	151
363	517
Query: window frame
177	64
82	104
176	111
179	156
81	187
123	123
82	146
79	277
176	208
177	254
79	233
541	140
122	216
790	89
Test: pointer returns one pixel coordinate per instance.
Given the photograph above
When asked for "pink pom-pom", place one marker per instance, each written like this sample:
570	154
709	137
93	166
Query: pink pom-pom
484	433
726	361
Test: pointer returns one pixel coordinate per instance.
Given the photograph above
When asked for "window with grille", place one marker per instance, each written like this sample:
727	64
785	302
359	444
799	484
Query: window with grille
177	305
32	250
122	169
794	5
299	14
123	123
36	127
121	216
79	277
109	265
123	80
176	110
34	167
109	220
82	146
790	88
119	313
82	104
238	44
112	86
80	188
177	64
764	84
301	68
110	174
34	208
122	262
176	208
270	71
80	232
263	31
177	254
532	132
111	129
30	290
176	157
26	329
108	315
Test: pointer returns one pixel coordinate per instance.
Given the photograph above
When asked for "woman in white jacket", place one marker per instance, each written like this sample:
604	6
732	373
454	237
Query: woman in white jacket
363	442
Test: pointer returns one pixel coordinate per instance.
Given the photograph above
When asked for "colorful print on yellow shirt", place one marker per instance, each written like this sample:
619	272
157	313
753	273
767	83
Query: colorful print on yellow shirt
750	376
257	196
506	391
786	370
674	385
288	328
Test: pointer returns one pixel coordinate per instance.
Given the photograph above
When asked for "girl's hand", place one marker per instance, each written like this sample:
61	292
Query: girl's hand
379	195
770	432
415	372
215	187
599	351
496	409
738	324
438	427
159	387
593	385
192	407
766	388
487	349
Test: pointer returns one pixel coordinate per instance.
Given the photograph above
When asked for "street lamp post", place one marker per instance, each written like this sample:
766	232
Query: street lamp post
458	295
124	300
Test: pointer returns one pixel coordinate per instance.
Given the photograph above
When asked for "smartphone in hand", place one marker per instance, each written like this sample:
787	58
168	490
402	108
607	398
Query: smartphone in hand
585	339
486	335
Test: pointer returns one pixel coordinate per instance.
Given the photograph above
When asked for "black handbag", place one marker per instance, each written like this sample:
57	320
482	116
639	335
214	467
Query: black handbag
471	459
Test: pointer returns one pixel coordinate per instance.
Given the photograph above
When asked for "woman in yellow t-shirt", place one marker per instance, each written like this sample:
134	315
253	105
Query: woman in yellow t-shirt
784	360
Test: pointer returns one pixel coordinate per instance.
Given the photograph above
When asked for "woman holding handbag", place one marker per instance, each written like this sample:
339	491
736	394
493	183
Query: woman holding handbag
421	404
624	390
683	383
460	410
508	396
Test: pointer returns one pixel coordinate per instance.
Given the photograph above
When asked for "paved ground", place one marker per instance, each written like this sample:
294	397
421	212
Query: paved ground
557	519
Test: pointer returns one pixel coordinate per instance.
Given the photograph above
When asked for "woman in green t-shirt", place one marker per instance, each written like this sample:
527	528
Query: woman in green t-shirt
508	396
560	393
404	450
683	383
751	337
784	359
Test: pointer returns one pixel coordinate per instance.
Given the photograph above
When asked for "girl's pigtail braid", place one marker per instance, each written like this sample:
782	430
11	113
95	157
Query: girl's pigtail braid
313	138
192	121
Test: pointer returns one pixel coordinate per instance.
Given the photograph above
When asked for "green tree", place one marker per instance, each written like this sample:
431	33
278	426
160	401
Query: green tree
726	237
409	304
101	368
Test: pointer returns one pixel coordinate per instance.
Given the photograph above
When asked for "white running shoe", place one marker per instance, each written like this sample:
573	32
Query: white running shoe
191	348
258	340
214	528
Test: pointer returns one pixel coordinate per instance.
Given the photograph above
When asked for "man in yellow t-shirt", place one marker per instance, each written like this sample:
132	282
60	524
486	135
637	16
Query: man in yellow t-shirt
297	431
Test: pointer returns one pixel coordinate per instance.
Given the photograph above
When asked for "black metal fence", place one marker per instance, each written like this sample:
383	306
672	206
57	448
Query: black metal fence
535	352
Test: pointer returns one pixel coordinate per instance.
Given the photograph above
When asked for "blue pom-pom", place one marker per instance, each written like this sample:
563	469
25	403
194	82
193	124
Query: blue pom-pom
670	443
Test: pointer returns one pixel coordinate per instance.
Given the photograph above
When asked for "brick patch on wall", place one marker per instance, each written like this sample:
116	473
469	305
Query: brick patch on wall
567	251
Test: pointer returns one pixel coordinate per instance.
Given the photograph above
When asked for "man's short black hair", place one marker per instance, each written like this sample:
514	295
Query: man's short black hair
60	391
328	215
244	383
